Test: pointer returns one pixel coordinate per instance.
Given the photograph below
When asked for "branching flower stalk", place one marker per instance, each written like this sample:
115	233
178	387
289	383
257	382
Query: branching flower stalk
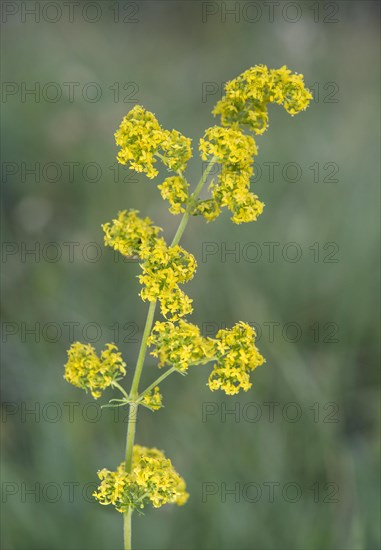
146	475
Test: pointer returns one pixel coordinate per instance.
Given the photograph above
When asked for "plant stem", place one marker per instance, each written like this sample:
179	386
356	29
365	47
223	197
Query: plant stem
121	389
194	196
133	411
142	351
157	381
127	529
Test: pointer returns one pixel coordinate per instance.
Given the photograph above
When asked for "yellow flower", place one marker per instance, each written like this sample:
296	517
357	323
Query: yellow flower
237	356
229	145
162	272
131	235
142	139
86	370
163	267
175	190
180	345
152	479
208	208
235	151
139	136
246	97
153	400
245	206
176	151
244	106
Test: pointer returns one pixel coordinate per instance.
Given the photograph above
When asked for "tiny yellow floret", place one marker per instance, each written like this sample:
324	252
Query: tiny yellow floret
153	400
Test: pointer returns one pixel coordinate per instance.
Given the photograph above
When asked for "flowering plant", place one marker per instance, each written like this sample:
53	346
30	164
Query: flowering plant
146	475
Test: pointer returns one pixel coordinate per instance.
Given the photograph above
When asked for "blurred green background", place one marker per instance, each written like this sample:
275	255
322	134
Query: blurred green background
317	317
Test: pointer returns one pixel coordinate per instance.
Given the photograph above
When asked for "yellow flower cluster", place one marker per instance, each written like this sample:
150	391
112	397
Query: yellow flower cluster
244	105
246	97
180	345
208	208
163	271
235	151
230	146
237	356
153	400
163	267
175	190
152	479
131	235
175	150
86	370
142	139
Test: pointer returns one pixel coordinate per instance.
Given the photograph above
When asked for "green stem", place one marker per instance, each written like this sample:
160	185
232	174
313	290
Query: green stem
180	229
142	351
204	177
157	381
132	415
133	412
194	196
127	529
120	388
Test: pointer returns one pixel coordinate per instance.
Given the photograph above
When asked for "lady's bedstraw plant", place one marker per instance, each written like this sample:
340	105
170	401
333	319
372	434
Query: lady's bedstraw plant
146	475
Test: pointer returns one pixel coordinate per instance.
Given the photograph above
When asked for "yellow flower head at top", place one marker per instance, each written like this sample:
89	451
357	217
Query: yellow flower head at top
86	370
237	356
142	140
152	479
244	107
180	345
246	97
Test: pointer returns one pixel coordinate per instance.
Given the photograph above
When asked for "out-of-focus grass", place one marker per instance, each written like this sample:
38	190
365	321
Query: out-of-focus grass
169	54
